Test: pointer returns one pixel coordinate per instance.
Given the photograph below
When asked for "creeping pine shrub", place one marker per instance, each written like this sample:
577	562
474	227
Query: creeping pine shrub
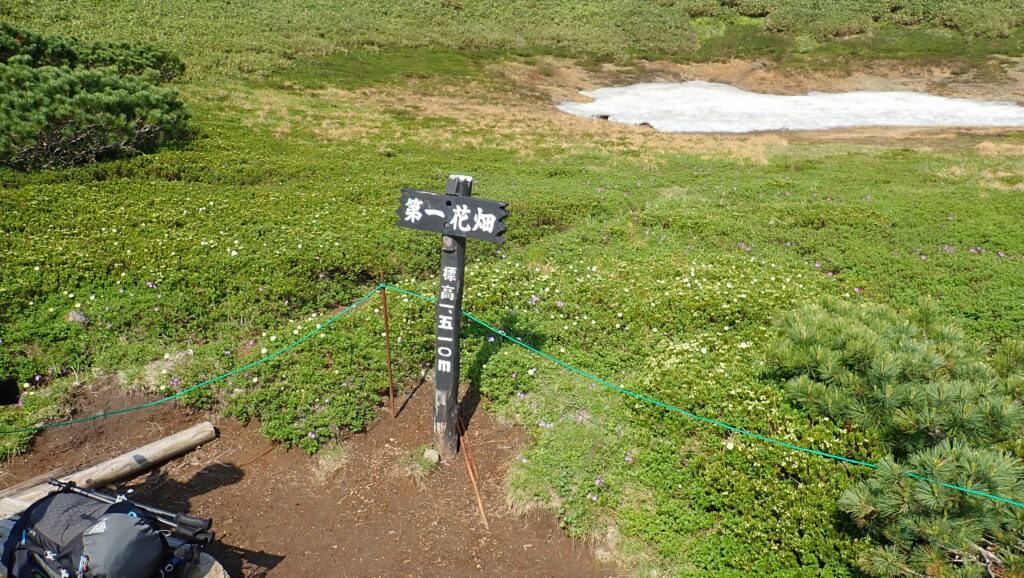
128	58
65	103
942	409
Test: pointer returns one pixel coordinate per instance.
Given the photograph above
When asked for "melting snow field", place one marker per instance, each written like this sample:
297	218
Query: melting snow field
699	106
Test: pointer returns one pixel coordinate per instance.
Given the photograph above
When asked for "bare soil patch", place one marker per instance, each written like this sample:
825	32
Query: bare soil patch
280	512
516	110
562	79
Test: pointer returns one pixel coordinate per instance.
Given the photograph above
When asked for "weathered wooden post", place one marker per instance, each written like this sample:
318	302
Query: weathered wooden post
457	216
448	318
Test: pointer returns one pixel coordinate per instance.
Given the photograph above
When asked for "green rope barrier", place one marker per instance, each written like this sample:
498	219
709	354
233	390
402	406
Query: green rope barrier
709	420
205	383
542	354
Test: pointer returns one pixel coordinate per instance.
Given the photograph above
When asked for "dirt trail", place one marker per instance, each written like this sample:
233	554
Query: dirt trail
282	513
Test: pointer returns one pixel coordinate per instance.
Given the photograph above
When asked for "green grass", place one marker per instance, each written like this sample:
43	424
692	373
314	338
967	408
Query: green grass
256	39
658	271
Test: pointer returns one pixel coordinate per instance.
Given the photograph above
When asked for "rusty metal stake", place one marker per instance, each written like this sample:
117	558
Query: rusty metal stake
471	470
387	345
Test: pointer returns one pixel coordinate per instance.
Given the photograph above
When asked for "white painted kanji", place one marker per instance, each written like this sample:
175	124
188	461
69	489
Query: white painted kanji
412	210
484	221
460	218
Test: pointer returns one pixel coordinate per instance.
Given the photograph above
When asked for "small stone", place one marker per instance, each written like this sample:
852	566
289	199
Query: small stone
75	316
431	455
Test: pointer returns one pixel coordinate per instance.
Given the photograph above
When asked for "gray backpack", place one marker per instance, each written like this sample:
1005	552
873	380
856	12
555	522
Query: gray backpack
67	535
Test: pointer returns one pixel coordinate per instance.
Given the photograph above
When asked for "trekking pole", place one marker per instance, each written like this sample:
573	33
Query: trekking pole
189	526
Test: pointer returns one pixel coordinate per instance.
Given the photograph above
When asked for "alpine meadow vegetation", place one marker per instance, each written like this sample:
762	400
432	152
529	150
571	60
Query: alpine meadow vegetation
834	303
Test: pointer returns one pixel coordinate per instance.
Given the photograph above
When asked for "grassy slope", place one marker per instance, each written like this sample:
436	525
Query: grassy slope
653	268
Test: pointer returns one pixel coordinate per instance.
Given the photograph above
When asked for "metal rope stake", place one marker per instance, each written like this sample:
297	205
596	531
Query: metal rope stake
457	216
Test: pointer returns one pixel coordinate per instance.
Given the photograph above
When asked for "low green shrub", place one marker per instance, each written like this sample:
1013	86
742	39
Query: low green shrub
905	12
57	116
943	411
926	528
820	19
66	102
755	8
133	58
982	18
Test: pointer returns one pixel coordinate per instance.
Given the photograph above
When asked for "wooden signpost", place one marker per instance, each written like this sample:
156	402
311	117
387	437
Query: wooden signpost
457	216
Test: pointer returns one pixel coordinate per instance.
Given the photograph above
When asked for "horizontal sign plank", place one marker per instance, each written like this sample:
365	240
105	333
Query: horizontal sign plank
452	215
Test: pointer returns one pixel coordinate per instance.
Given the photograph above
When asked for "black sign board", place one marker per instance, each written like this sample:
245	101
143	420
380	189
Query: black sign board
457	216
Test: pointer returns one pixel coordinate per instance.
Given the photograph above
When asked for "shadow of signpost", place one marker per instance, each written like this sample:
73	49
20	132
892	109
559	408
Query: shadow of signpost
509	326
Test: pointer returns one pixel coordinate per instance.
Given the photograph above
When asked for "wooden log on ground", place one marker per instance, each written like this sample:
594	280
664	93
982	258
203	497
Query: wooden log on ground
40	479
129	464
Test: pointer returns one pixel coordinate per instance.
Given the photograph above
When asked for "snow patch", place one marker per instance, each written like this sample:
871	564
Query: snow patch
698	106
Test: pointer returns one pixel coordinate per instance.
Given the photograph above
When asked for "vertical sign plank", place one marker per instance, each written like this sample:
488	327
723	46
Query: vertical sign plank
448	317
